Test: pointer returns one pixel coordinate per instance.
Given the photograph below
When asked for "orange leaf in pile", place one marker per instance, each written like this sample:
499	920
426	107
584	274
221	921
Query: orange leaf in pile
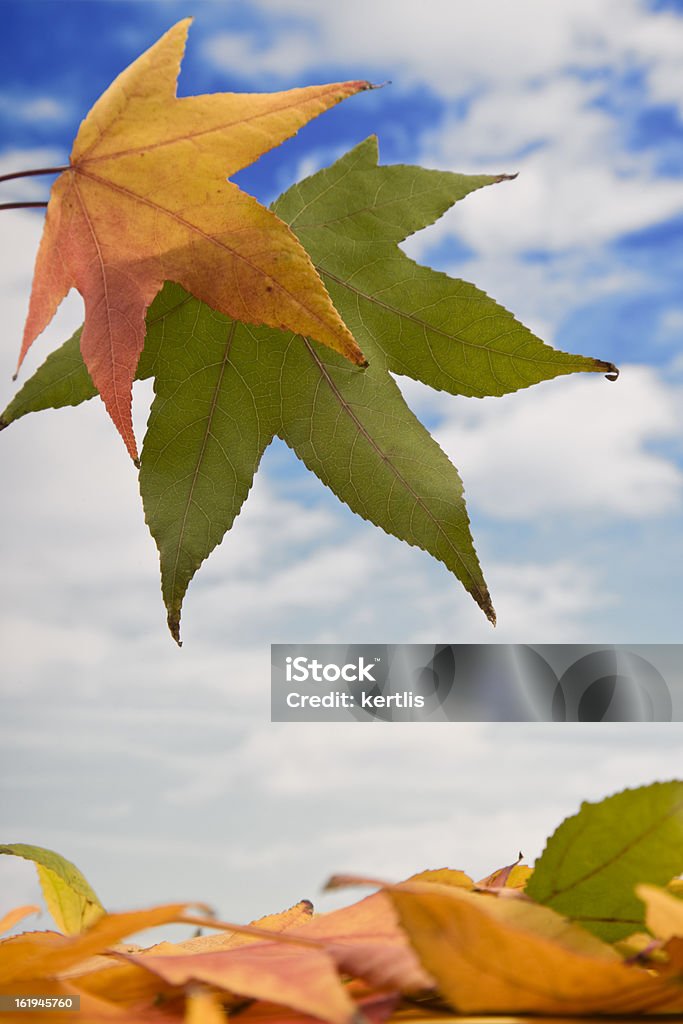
373	1008
145	200
130	984
304	979
13	917
47	954
367	942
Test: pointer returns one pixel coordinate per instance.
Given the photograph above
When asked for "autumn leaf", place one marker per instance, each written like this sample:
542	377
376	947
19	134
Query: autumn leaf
592	863
13	917
132	984
416	951
68	895
45	954
302	979
373	1007
663	912
353	430
204	1007
444	876
224	390
366	941
513	876
486	964
145	200
283	921
363	941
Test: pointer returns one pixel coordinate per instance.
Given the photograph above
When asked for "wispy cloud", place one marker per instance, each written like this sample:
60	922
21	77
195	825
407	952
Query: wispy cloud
571	446
34	110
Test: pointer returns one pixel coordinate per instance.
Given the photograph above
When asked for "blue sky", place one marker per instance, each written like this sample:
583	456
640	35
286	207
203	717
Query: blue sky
116	741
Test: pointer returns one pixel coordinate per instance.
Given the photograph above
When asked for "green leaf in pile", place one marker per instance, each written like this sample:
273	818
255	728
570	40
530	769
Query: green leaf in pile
592	863
69	898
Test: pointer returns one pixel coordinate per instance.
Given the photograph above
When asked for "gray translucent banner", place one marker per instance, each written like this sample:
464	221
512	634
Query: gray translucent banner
476	683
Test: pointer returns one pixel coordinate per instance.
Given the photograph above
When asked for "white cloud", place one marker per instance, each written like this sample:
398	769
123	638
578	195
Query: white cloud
655	45
578	445
578	190
37	109
578	186
455	47
16	266
451	46
533	73
232	50
670	325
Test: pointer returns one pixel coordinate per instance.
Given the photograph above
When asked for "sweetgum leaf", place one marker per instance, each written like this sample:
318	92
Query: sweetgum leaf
209	425
351	216
63	378
443	332
592	863
60	381
145	199
69	897
224	389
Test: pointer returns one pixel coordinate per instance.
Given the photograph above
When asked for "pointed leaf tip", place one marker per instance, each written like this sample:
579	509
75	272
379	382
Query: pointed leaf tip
483	598
173	621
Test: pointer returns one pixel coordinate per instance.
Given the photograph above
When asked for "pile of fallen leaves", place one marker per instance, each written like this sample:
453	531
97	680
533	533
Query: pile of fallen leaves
259	323
595	929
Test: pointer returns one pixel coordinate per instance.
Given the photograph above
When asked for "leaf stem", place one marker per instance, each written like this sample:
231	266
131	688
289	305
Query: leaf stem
29	174
19	206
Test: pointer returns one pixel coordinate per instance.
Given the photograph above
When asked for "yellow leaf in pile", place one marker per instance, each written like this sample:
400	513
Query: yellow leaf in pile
485	963
663	912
